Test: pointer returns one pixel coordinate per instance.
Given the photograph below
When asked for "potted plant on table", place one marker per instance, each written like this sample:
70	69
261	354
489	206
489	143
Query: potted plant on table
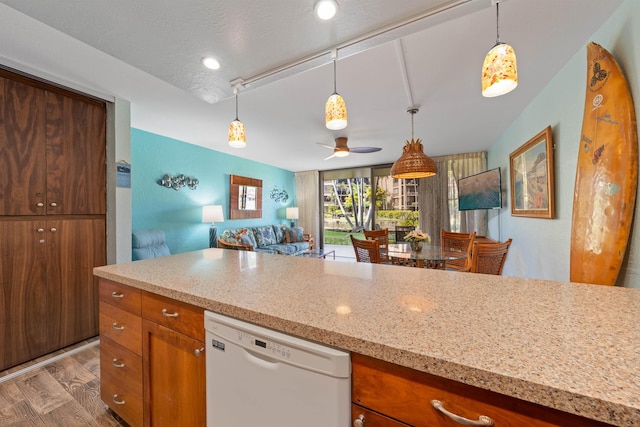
416	238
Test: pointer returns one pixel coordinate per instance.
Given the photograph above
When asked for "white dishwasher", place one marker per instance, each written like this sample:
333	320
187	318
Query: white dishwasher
262	378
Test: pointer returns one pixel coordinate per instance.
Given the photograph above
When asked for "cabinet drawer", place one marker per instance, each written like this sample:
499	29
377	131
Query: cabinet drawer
405	394
124	402
176	315
122	366
373	419
121	326
120	295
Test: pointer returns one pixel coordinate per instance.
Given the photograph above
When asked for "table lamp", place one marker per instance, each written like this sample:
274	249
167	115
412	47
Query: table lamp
212	214
292	214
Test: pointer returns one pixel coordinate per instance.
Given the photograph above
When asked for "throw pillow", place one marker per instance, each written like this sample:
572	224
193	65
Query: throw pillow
296	234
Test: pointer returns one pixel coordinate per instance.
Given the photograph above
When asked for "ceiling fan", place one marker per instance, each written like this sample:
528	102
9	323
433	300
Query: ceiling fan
341	149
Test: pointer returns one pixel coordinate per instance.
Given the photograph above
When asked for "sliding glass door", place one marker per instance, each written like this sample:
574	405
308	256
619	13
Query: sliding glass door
361	199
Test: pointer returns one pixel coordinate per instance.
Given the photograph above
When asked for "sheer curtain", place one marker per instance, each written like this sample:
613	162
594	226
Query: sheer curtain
465	165
438	197
308	202
433	201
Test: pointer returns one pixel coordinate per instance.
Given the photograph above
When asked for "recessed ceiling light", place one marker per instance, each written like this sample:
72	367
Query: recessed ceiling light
211	63
326	9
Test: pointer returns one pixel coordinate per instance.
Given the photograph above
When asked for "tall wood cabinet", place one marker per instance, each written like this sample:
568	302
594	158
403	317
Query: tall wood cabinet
52	216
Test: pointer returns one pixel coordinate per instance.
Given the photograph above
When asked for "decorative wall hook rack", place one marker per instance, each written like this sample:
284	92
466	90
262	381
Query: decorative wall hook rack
177	182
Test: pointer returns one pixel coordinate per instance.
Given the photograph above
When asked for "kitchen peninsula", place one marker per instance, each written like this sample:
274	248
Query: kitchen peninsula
571	347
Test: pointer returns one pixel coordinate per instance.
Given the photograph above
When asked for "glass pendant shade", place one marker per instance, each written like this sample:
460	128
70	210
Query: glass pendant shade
335	113
499	71
413	163
237	135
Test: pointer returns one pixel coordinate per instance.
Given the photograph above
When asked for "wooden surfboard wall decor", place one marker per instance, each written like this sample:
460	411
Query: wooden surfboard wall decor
606	175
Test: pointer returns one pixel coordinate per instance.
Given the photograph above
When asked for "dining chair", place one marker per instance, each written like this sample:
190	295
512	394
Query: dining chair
366	250
461	241
383	242
489	258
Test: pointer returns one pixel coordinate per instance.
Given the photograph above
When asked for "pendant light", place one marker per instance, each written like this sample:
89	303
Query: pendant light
413	163
335	111
499	71
237	136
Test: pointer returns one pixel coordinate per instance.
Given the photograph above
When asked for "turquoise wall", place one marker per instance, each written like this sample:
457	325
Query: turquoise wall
541	247
179	213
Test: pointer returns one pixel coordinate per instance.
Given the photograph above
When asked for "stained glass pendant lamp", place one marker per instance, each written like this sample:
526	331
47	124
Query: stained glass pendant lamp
335	111
237	135
499	71
413	163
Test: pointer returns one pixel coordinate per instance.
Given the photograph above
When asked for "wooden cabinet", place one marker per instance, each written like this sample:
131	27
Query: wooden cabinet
52	150
48	293
406	395
152	358
121	351
23	290
52	216
174	363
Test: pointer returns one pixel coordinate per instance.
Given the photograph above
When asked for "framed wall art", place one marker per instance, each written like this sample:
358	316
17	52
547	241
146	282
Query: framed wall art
532	185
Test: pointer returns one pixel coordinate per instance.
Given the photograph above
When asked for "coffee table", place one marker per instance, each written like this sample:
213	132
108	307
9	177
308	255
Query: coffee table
319	253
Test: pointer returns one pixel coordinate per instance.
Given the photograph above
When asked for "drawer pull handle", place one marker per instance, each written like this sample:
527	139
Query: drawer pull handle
165	313
198	351
117	363
118	402
40	205
483	420
117	327
115	294
359	422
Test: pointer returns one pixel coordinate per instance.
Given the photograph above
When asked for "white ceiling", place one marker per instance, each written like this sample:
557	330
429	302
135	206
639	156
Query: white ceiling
148	52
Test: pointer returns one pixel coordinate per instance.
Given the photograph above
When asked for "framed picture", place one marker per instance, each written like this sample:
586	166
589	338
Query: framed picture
532	187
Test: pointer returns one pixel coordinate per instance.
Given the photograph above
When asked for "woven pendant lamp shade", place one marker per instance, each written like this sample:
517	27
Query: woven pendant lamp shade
413	163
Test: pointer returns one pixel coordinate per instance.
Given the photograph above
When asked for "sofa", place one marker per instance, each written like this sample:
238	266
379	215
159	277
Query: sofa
276	239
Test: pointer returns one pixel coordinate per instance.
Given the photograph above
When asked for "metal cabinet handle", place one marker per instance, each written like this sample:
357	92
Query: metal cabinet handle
53	229
40	204
54	204
117	327
198	351
40	230
116	401
115	294
116	363
359	422
483	421
165	313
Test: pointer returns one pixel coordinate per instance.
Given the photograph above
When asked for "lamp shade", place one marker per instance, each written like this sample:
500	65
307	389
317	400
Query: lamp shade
212	214
413	163
237	135
499	71
292	213
335	112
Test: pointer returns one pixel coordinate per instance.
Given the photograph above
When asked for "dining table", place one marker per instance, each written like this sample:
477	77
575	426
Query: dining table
428	256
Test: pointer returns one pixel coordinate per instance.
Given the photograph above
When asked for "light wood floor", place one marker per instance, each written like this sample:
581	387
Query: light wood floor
65	391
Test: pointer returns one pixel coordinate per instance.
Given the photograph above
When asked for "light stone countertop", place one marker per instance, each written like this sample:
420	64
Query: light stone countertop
573	347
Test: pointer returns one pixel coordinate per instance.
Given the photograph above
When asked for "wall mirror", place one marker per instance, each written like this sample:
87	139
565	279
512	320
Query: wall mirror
245	197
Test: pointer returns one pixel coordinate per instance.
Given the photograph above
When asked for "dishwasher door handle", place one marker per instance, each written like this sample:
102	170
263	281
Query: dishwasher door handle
261	360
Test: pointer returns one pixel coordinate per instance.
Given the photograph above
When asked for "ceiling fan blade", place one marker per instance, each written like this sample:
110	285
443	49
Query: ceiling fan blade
330	147
364	149
332	155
